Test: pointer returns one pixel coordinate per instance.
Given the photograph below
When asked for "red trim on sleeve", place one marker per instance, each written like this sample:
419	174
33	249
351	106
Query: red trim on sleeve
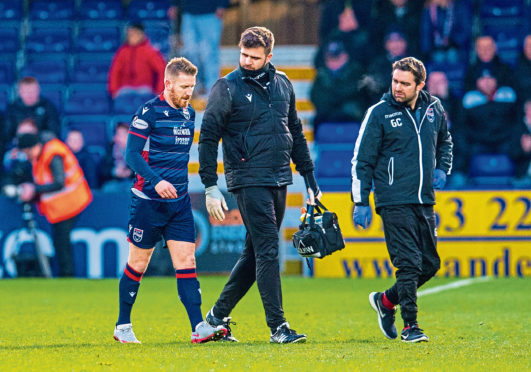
139	135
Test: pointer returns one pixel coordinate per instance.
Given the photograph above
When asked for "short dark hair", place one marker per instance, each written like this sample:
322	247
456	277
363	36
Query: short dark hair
415	66
255	37
28	80
180	65
136	25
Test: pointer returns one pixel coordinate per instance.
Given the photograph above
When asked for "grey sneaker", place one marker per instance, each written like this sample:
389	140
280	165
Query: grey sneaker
285	335
124	334
225	322
204	332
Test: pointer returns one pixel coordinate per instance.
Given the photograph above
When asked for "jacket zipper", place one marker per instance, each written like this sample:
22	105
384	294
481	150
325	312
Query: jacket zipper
417	129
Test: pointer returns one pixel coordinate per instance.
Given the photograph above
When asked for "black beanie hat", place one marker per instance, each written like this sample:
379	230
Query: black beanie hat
27	140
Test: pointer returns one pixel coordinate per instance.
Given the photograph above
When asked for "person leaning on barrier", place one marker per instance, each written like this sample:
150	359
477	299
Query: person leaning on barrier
60	189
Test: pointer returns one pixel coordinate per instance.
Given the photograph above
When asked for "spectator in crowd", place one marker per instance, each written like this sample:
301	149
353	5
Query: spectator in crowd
345	20
523	71
201	26
30	104
487	59
403	15
488	124
60	189
523	160
437	85
378	78
333	98
76	142
137	66
115	174
16	166
445	31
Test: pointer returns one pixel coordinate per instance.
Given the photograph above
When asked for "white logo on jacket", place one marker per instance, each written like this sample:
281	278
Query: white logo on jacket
139	123
249	97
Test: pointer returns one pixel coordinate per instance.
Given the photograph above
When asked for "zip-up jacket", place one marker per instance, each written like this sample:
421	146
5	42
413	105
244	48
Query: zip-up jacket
398	149
260	132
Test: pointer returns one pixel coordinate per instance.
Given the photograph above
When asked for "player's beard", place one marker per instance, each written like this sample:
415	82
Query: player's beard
178	100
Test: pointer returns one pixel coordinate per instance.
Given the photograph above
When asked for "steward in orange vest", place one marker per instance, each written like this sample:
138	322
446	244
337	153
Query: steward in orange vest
74	197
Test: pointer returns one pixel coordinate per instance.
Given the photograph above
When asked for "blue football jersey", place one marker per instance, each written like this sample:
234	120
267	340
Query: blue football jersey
169	135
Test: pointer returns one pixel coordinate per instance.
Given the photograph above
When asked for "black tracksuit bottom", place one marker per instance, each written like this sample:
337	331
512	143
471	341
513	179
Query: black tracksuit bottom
262	210
412	245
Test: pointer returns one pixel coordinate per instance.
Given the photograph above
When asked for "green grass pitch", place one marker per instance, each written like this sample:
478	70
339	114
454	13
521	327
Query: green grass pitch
68	325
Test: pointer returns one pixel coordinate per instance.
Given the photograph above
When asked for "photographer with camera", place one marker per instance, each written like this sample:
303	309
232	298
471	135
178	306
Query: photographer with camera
59	188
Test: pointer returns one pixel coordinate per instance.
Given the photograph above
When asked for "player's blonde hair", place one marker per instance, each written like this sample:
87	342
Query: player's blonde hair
179	65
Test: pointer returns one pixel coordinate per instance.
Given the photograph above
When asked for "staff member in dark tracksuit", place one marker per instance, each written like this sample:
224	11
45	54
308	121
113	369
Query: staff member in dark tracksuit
253	110
404	147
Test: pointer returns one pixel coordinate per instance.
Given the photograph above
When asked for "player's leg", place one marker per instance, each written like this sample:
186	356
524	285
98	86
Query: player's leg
144	233
431	262
180	238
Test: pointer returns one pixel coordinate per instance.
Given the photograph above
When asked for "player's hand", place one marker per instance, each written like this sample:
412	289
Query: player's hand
362	216
166	190
215	203
439	179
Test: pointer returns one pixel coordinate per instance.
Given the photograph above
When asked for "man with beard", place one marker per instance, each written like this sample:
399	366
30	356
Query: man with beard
405	149
160	137
253	110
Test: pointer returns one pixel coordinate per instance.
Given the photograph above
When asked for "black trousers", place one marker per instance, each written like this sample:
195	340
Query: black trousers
63	246
412	245
262	210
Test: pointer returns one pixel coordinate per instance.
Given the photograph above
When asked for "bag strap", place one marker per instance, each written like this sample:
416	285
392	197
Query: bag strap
319	204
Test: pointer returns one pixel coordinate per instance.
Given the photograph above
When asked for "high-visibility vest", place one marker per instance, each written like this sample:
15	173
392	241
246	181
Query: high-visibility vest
74	197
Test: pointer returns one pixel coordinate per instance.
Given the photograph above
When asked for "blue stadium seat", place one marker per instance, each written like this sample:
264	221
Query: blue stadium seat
501	8
89	102
334	163
4	96
7	72
10	37
49	40
145	10
93	128
51	10
508	41
90	71
47	71
10	10
455	72
491	170
98	39
159	35
334	133
54	92
101	10
128	103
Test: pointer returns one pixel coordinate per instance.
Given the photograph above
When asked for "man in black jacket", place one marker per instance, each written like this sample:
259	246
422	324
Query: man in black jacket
404	147
253	110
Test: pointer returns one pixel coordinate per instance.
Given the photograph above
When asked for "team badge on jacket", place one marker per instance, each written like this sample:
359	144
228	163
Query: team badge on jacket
430	115
137	234
186	113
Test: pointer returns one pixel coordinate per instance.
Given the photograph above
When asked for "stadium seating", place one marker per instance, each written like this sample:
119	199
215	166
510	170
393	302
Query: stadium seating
87	101
101	10
145	10
52	71
10	40
455	72
491	170
333	169
45	10
49	40
54	92
7	72
98	39
93	127
128	103
10	10
90	71
334	133
159	35
4	96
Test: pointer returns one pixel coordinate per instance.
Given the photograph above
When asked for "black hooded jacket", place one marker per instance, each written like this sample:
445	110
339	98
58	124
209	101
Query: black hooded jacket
400	152
259	128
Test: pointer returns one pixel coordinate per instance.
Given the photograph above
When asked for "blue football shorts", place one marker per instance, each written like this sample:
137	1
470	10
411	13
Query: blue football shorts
149	220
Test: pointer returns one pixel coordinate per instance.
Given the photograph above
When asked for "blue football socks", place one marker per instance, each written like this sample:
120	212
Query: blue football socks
190	294
128	290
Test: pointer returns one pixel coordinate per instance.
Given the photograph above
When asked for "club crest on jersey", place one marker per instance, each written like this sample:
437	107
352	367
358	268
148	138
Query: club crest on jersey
166	112
186	113
430	115
139	123
137	234
249	97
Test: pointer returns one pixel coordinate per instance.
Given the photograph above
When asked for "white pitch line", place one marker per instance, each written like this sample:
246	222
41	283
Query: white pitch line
458	284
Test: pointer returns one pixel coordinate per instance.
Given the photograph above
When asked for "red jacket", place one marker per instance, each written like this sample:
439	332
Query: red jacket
137	66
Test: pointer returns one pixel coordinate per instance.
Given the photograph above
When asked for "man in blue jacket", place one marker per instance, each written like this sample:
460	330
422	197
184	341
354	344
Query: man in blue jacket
404	147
